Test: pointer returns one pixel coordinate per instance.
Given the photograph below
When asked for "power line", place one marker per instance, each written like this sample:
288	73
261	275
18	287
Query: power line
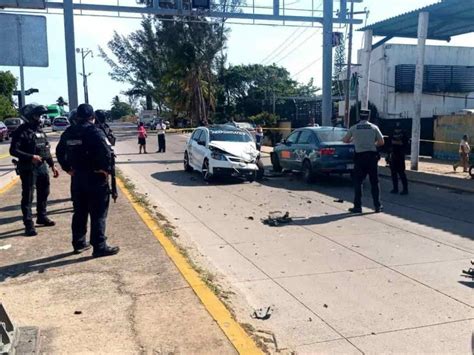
299	45
281	44
282	50
309	65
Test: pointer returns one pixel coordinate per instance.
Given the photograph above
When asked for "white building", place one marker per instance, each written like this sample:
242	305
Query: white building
446	68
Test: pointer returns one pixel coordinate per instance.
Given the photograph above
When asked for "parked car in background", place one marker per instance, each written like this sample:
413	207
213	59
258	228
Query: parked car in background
314	150
3	132
12	124
46	121
250	127
60	124
224	151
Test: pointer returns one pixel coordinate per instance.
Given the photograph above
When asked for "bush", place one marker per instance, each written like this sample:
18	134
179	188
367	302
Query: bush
265	119
6	108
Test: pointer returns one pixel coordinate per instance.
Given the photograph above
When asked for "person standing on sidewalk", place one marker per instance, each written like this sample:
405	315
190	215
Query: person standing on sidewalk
366	138
30	145
142	135
160	130
464	150
86	155
259	137
399	143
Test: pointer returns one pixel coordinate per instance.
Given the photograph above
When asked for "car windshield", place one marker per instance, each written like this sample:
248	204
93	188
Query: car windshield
229	136
244	125
61	120
334	135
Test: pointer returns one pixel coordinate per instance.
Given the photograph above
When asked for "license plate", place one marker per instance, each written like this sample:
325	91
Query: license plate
350	166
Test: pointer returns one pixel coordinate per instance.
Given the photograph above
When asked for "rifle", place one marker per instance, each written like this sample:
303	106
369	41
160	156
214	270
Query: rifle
113	191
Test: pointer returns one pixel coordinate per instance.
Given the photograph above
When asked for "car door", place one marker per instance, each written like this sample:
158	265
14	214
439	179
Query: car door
303	147
192	147
286	154
200	150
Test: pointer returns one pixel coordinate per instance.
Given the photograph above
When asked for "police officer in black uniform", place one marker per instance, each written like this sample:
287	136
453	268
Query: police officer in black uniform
366	138
85	154
100	118
30	145
399	143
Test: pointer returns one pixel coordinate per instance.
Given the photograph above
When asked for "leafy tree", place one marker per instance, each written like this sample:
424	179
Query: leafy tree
6	108
120	109
265	119
61	102
7	86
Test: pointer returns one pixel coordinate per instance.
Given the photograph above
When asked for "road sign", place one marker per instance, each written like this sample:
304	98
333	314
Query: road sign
23	40
23	4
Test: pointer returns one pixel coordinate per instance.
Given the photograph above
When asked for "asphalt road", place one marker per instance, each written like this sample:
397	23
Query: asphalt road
370	283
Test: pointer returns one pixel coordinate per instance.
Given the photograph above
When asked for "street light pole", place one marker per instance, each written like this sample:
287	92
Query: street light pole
84	53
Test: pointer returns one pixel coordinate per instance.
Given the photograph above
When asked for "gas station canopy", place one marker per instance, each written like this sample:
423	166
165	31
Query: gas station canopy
447	19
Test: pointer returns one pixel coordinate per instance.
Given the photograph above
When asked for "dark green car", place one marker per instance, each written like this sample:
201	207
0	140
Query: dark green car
314	150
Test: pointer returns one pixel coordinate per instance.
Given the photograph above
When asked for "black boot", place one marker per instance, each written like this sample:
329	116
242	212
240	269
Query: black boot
45	221
107	251
30	231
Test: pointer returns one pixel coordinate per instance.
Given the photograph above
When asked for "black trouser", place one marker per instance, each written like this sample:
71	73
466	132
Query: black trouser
366	163
90	197
38	178
161	143
397	168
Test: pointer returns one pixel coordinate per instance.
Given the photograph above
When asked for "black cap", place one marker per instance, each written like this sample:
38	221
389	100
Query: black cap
85	111
364	115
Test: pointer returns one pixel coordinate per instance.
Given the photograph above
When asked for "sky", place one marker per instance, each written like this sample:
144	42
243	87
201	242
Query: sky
297	49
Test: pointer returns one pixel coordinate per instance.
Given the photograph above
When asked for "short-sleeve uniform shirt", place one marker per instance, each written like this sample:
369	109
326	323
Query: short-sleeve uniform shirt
364	135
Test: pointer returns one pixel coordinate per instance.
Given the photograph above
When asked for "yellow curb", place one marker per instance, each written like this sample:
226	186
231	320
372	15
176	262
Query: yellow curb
9	185
241	341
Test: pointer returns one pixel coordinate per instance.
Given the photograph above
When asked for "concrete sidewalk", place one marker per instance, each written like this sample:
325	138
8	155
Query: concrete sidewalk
135	302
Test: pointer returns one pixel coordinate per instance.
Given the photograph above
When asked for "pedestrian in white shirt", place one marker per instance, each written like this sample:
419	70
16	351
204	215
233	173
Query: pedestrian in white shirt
160	130
464	150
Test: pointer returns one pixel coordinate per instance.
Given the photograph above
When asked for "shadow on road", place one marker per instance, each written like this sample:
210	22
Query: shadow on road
326	218
181	178
425	205
39	265
150	162
18	207
12	233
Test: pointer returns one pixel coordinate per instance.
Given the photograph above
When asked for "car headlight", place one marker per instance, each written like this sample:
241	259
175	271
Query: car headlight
218	156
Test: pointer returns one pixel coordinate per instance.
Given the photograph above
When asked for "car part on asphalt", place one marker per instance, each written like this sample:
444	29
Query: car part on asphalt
276	219
263	313
340	200
470	271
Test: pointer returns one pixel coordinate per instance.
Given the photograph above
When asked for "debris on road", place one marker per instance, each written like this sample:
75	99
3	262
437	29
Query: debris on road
309	201
325	305
470	271
263	313
77	312
5	247
339	200
250	218
276	219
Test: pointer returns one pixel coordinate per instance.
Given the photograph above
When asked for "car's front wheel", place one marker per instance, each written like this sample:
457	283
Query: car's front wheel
187	167
308	174
206	173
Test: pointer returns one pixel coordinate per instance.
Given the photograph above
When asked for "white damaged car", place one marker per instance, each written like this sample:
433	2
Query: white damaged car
223	151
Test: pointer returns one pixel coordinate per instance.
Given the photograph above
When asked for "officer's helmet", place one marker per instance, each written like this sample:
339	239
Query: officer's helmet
100	116
73	117
33	112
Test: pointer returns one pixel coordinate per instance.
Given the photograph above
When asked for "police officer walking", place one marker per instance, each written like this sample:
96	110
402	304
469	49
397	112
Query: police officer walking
399	142
84	153
366	138
30	145
100	118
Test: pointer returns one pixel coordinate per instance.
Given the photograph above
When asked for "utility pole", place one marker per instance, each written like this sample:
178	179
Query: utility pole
327	62
70	58
84	53
348	74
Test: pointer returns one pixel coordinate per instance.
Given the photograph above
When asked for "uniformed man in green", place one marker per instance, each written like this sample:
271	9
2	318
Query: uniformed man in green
366	137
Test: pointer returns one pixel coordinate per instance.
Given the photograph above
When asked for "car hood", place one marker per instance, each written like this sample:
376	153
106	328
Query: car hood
243	150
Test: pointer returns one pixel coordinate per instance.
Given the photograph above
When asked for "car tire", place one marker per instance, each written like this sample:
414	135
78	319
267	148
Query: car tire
471	171
206	175
187	167
308	174
275	162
